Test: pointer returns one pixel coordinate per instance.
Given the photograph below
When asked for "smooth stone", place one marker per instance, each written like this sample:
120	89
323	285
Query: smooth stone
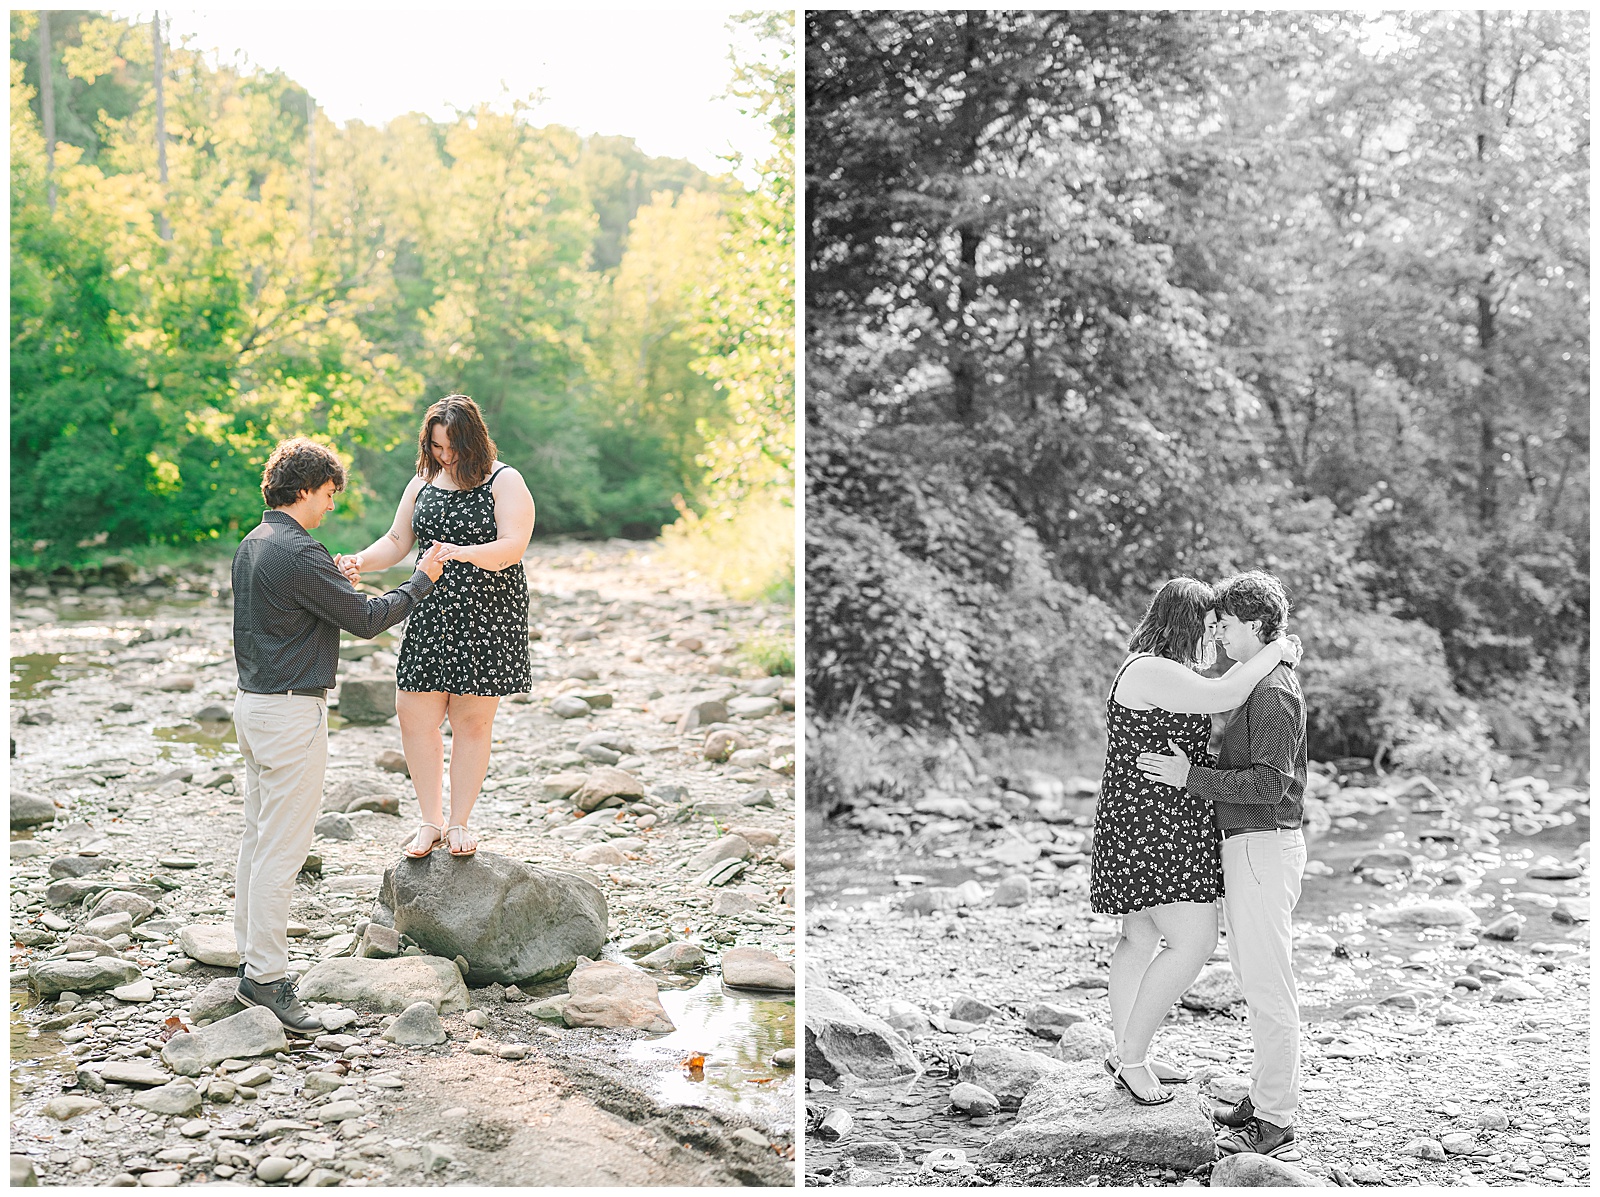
841	1039
133	1072
29	809
251	1032
1215	989
607	786
1048	1020
1431	912
367	701
140	991
644	943
50	977
1513	990
605	994
218	999
418	1025
387	985
1247	1170
974	1100
1073	1108
514	923
675	958
339	1111
70	1105
335	826
725	847
1084	1041
569	707
174	1098
755	968
1007	1072
274	1168
210	943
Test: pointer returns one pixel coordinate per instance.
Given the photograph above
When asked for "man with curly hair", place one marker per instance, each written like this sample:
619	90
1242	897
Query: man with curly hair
1257	790
289	601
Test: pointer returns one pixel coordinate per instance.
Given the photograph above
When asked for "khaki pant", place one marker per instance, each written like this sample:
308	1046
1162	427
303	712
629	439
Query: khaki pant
1261	872
284	741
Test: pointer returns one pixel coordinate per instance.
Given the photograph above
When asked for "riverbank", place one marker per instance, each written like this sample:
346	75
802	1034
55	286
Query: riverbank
111	684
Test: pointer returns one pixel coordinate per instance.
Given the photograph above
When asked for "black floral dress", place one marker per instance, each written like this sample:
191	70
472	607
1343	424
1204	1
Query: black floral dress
1153	844
469	635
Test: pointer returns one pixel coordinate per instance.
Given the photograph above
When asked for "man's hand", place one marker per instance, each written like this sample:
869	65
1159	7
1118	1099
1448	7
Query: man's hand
1169	770
1292	650
350	567
432	562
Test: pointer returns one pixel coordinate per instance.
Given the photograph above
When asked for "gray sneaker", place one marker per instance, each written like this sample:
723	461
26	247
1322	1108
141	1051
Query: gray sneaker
1236	1116
280	998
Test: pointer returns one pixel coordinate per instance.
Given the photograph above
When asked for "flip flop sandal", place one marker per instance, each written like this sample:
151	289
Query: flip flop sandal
1165	1080
1116	1075
461	828
428	851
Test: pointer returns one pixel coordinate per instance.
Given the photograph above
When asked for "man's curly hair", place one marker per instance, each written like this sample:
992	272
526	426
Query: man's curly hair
298	465
1255	595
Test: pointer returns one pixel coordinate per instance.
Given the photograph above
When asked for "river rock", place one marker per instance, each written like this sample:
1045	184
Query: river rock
251	1032
367	701
418	1025
1571	910
601	856
974	1100
118	901
557	786
69	1105
841	1039
568	706
387	985
210	943
607	786
749	706
176	1098
1084	1041
1507	927
79	866
730	903
106	927
753	968
605	994
218	999
724	847
139	1073
723	743
513	922
50	977
1215	989
644	943
29	809
1048	1020
22	1174
1008	1072
1012	891
1432	912
391	761
379	942
1074	1108
335	826
1516	991
1247	1170
142	990
675	958
692	711
1387	860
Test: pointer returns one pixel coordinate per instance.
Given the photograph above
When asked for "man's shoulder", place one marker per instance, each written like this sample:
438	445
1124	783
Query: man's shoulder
1282	682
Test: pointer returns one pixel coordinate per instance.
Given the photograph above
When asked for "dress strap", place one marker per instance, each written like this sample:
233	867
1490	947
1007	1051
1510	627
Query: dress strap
1112	693
490	480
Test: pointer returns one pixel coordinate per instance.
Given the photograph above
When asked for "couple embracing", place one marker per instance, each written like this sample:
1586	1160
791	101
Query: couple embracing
465	647
1178	834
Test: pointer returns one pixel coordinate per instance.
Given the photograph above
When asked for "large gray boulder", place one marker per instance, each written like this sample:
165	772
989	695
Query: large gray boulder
388	985
252	1032
1077	1108
844	1040
1010	1073
50	977
514	923
30	810
367	701
1216	988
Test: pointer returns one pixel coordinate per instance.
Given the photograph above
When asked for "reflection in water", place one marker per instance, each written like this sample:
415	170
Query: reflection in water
209	739
738	1035
33	1051
33	675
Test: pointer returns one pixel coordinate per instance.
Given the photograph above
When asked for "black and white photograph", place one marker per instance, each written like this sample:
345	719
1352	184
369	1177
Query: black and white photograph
1196	485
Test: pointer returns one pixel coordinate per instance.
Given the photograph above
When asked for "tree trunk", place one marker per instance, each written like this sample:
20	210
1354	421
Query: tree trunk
311	167
47	106
1488	432
161	126
963	369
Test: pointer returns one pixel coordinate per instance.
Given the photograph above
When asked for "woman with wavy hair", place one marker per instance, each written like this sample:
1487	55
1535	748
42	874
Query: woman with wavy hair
466	643
1156	859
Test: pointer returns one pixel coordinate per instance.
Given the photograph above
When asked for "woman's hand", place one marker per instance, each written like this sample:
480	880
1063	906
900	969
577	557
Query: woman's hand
1290	649
451	552
350	567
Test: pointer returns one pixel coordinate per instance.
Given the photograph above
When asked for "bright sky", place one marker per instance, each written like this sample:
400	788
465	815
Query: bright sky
653	75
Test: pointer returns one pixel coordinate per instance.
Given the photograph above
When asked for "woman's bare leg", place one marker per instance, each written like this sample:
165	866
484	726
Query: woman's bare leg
1135	950
1190	929
421	712
472	734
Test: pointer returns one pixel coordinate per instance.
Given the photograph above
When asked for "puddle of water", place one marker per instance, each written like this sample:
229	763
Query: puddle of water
33	675
738	1035
33	1052
209	739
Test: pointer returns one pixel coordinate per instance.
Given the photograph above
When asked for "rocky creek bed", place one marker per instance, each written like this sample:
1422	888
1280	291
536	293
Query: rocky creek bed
649	772
956	1017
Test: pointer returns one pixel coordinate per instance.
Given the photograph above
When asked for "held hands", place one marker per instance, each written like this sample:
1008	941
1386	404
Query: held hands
1169	770
1290	649
350	567
432	562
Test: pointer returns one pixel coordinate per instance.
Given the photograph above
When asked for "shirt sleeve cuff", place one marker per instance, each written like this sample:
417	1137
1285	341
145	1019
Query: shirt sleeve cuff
1202	781
421	583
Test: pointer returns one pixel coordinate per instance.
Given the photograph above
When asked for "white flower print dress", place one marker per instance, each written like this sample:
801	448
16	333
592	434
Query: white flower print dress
469	635
1153	844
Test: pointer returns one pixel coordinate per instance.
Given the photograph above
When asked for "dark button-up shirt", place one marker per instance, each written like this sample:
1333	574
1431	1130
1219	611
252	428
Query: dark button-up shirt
1259	779
289	602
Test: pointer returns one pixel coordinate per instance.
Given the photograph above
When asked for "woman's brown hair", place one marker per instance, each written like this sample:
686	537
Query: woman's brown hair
469	440
1174	624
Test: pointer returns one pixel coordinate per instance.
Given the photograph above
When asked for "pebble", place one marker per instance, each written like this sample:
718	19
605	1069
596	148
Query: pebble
274	1168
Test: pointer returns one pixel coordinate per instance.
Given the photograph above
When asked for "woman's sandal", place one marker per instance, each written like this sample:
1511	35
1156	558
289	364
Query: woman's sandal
1153	1063
461	827
1116	1075
428	851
